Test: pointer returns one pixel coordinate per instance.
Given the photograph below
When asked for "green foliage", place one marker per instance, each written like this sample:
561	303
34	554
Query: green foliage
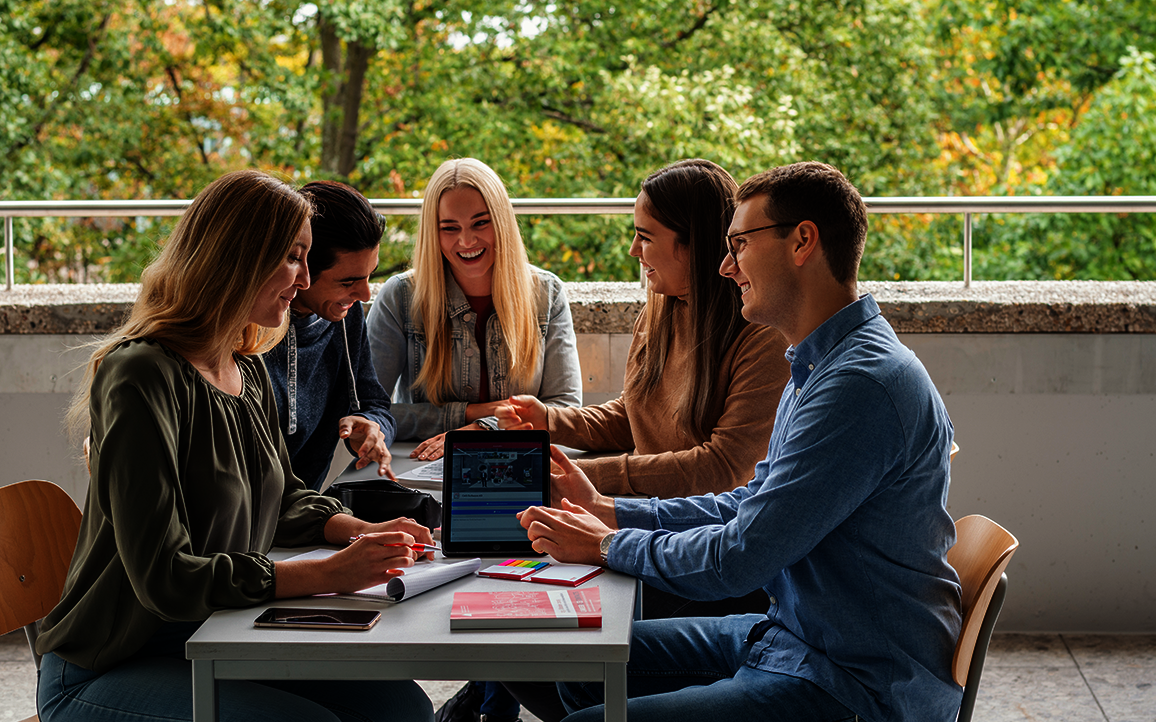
135	99
1112	152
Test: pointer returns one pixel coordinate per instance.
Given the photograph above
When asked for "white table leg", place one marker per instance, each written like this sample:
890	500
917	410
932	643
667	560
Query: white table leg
204	691
614	695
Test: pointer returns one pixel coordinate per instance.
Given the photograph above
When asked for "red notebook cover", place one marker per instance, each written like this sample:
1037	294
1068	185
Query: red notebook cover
528	609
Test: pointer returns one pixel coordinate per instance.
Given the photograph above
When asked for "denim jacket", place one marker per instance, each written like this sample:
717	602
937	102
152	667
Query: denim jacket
397	344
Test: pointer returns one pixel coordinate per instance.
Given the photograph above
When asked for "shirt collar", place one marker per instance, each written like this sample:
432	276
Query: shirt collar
456	302
807	355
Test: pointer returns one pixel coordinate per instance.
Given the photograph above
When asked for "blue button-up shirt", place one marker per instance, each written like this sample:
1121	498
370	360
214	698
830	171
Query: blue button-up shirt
844	526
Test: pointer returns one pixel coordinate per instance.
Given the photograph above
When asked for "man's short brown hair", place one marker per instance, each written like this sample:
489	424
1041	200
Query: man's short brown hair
818	193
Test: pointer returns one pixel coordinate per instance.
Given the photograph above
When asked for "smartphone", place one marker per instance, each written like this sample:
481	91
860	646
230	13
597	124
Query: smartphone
296	618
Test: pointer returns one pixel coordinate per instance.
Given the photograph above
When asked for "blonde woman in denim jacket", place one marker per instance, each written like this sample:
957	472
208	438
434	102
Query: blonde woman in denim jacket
427	344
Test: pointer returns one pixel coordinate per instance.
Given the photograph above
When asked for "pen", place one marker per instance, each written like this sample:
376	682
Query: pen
418	546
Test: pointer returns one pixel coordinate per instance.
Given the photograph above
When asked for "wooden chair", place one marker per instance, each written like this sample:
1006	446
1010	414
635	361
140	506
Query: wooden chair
981	554
39	524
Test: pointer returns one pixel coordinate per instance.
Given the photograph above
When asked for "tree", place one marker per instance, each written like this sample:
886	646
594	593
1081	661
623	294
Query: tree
135	99
1112	151
1019	75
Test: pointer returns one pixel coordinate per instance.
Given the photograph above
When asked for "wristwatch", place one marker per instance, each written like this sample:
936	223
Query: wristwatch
604	545
487	424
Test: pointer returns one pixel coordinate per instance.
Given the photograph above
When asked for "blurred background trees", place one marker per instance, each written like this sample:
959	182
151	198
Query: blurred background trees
138	99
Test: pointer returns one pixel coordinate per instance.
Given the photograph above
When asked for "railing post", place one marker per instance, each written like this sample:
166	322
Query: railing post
9	261
967	250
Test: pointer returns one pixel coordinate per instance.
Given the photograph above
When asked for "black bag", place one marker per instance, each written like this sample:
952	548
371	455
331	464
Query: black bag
383	500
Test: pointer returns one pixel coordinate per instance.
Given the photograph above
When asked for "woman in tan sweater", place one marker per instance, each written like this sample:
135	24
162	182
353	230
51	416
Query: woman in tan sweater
698	400
702	384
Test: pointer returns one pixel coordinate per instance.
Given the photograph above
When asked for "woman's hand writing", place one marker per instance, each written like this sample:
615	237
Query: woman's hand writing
371	560
420	534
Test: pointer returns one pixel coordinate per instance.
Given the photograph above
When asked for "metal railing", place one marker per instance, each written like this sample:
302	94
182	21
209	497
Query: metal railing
955	205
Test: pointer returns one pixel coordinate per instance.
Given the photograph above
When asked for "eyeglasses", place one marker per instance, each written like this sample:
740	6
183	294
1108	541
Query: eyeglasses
733	248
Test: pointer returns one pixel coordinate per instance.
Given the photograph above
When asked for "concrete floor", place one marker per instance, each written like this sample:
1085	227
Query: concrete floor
1033	677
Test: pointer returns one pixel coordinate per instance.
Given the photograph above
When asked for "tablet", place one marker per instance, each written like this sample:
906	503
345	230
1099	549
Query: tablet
487	478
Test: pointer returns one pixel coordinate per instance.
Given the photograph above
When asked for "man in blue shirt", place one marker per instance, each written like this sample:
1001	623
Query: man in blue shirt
322	374
844	524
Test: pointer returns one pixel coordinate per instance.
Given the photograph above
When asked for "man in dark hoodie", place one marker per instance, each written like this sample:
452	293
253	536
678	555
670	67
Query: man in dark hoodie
322	375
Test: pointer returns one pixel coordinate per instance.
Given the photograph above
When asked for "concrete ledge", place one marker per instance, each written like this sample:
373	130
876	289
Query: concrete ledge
912	307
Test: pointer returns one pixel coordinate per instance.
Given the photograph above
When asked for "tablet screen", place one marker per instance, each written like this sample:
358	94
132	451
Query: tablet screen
487	478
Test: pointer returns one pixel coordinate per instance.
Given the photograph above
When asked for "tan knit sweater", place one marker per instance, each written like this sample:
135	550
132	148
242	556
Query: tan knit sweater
666	462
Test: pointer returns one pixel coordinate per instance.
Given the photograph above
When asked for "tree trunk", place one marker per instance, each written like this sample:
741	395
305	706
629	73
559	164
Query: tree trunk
357	58
341	93
332	94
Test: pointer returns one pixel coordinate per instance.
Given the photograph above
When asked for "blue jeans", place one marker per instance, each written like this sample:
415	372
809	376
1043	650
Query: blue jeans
144	689
498	702
695	669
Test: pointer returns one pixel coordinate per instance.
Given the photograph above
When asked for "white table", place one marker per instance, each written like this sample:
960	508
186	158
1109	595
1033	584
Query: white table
412	640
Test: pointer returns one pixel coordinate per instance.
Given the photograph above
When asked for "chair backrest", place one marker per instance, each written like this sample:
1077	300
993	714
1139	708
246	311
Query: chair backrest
39	525
981	554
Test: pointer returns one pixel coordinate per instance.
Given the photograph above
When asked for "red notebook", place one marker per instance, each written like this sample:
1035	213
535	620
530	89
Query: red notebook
528	609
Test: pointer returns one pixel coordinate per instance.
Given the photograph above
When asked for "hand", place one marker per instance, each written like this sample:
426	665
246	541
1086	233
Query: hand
365	563
521	412
570	534
434	448
480	411
342	527
567	481
375	558
368	443
419	533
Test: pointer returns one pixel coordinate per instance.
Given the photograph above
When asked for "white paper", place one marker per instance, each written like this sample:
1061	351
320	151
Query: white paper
565	572
421	577
426	472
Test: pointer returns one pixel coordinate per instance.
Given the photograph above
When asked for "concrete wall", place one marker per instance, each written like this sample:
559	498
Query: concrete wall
1056	444
1055	430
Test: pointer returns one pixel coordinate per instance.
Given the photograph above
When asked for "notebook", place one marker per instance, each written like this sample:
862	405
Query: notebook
487	478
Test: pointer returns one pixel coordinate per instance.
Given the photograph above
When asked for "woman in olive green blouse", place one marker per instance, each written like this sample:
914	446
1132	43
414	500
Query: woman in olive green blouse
191	484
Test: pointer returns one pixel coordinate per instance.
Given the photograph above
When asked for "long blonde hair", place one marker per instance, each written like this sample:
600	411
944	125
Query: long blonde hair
513	286
196	296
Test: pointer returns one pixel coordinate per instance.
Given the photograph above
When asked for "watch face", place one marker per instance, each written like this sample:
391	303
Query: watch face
604	546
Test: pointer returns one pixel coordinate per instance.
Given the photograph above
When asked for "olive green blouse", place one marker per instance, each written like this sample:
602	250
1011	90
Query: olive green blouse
190	488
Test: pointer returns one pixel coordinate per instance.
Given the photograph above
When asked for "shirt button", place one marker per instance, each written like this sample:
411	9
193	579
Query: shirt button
798	391
469	352
468	317
774	601
811	367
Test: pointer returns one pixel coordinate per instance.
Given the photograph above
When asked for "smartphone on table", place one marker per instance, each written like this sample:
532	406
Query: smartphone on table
299	618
